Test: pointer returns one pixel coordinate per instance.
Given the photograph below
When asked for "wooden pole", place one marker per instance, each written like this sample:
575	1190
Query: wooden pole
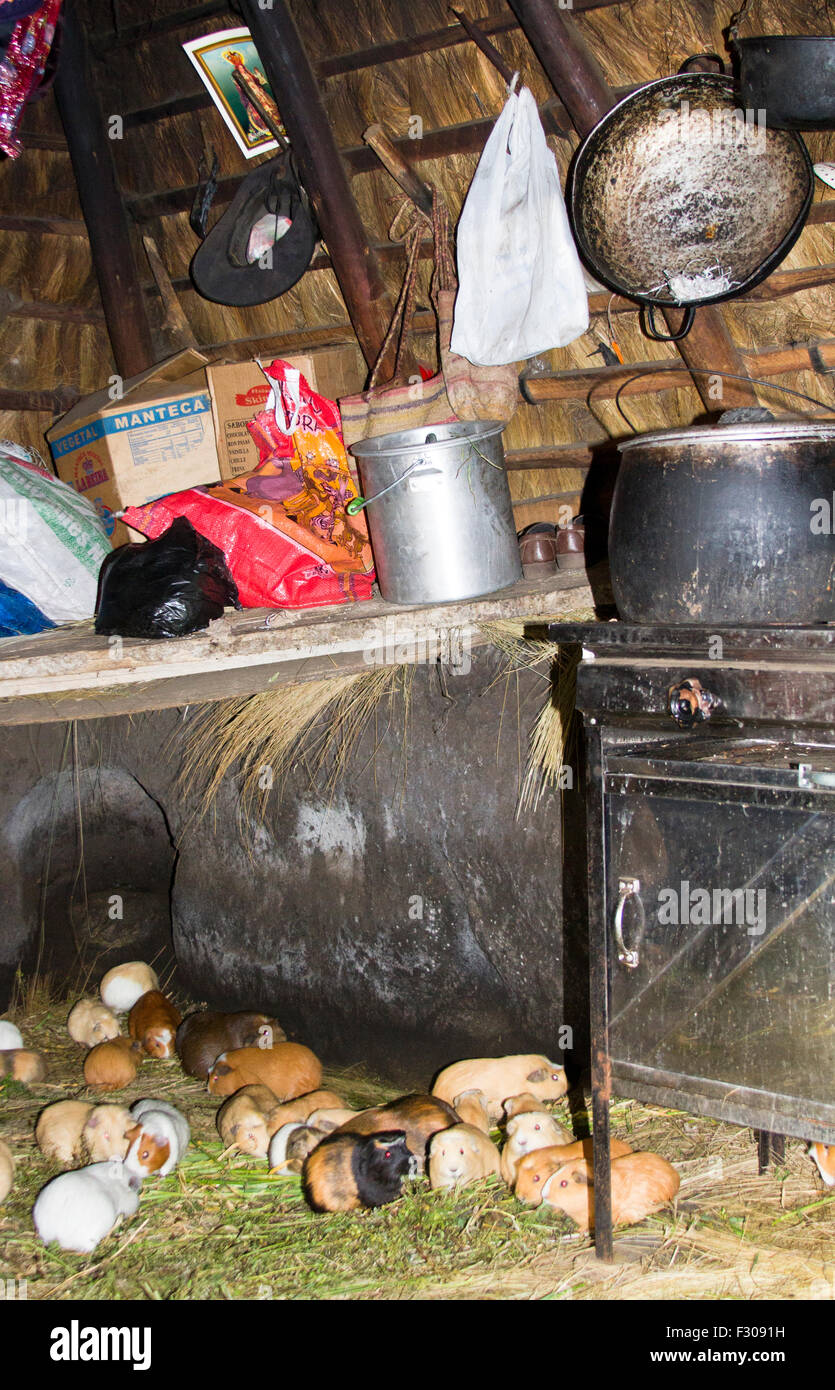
321	169
579	82
91	153
390	157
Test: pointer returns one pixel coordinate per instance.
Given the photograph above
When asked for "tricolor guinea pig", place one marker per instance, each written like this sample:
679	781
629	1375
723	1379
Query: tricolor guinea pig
348	1171
534	1169
79	1208
641	1183
6	1170
124	984
500	1077
288	1069
242	1120
24	1065
202	1037
303	1106
460	1155
91	1022
153	1022
824	1157
112	1065
471	1109
531	1129
157	1140
10	1036
418	1116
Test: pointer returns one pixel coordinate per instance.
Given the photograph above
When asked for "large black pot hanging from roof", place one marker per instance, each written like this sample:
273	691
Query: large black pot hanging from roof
791	77
677	198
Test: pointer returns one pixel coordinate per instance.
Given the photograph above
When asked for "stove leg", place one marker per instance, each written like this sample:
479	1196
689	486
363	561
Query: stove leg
771	1148
602	1179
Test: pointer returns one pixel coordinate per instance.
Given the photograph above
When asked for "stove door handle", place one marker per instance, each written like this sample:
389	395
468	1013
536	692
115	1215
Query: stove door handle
689	703
629	888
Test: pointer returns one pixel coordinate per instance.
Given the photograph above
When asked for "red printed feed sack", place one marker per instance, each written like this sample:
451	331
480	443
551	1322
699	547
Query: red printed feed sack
284	528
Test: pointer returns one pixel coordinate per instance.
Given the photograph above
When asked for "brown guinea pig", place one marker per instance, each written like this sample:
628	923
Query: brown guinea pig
460	1155
471	1108
289	1069
153	1022
500	1077
517	1105
348	1171
202	1037
91	1022
534	1169
641	1183
302	1107
111	1065
22	1064
529	1130
330	1117
418	1116
242	1120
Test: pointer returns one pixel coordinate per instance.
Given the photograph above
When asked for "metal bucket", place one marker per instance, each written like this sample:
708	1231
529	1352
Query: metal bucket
439	512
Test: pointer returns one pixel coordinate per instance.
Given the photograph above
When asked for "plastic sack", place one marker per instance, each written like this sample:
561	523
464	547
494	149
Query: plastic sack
52	541
164	588
521	288
284	528
19	617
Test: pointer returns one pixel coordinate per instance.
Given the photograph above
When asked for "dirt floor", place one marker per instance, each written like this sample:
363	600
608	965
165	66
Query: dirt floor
222	1227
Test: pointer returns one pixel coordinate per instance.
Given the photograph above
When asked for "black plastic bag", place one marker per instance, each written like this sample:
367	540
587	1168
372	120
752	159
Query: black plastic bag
164	588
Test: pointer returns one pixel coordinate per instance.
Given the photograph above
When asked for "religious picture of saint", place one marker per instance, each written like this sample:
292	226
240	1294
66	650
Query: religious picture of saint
233	74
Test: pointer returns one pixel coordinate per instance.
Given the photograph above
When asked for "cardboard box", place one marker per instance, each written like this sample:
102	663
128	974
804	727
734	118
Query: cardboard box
156	437
239	390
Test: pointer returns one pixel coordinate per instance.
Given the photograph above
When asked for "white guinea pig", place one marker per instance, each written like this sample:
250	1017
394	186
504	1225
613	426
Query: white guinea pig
6	1170
79	1208
158	1138
532	1129
461	1154
122	986
10	1036
91	1022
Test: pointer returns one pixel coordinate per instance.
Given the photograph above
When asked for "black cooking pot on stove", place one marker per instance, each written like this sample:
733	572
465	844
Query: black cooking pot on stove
678	197
726	524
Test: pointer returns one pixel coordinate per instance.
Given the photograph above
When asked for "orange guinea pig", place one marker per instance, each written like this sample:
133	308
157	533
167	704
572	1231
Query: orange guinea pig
289	1069
641	1183
534	1169
153	1022
113	1064
824	1157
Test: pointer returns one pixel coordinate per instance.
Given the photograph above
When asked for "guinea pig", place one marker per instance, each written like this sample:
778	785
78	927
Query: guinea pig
242	1120
91	1022
471	1108
59	1129
517	1105
202	1037
153	1021
291	1144
641	1183
24	1065
10	1036
532	1129
6	1170
79	1208
157	1140
460	1155
289	1069
500	1077
124	984
105	1132
418	1116
534	1169
330	1117
824	1157
111	1065
302	1106
347	1171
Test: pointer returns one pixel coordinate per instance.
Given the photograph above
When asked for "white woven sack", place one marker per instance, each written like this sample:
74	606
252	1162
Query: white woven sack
52	541
520	282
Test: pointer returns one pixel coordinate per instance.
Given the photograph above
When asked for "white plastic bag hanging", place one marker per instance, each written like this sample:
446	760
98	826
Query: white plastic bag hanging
521	288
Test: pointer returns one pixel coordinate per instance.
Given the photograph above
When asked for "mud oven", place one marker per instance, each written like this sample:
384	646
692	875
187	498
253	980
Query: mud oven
711	869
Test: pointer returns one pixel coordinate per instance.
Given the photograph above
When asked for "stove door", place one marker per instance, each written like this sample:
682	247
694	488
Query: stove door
721	907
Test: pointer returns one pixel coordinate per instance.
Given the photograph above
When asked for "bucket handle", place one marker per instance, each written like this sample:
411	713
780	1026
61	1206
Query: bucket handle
649	326
357	504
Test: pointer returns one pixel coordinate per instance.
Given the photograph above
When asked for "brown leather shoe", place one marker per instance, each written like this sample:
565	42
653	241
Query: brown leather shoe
538	549
570	545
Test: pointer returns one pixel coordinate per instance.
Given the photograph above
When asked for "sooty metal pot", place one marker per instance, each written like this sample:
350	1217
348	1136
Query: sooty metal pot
729	524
